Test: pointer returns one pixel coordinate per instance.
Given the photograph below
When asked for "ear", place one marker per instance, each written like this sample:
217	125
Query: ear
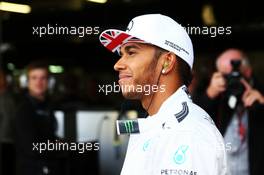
169	61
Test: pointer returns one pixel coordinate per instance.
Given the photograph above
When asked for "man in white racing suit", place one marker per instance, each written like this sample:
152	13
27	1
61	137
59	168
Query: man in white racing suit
178	137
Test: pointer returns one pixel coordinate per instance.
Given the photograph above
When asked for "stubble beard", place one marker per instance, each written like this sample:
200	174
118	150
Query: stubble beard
149	80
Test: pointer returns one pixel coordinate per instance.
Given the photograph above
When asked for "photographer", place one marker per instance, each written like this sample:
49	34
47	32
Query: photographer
236	104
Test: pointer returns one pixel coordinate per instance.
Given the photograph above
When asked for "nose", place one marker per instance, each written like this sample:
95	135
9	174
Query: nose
119	65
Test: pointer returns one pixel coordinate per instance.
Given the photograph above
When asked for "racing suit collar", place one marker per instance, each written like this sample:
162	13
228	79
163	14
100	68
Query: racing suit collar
173	101
165	115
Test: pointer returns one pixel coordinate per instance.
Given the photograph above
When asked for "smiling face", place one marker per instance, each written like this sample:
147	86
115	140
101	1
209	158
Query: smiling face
136	67
37	82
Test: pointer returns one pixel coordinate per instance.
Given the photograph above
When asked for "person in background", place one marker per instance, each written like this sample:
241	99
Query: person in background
35	125
236	102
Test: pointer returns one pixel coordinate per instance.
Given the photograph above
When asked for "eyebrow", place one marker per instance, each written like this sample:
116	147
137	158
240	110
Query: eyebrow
132	46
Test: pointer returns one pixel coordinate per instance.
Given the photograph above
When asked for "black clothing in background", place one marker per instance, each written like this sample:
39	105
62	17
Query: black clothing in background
35	123
222	114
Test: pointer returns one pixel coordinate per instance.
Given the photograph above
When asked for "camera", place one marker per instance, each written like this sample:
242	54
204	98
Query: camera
234	87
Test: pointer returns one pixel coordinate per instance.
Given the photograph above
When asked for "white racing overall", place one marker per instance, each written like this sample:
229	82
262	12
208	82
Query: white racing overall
180	139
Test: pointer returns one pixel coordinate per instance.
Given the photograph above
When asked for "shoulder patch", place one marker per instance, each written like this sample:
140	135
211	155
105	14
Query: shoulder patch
183	113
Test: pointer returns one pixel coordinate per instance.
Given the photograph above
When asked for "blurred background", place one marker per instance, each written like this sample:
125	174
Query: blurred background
78	63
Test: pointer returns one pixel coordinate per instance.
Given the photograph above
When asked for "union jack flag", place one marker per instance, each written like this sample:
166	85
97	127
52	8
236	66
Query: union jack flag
113	39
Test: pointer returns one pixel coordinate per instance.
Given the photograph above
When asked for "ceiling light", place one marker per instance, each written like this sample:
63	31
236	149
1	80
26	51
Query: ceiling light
56	69
98	1
12	7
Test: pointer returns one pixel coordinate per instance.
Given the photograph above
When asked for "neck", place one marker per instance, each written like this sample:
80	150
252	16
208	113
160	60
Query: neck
153	102
40	97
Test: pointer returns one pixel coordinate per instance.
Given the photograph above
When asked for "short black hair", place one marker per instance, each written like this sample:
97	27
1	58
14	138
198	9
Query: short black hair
38	64
159	51
184	71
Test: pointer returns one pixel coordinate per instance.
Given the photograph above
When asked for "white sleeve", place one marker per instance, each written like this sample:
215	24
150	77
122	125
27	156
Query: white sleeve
209	156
